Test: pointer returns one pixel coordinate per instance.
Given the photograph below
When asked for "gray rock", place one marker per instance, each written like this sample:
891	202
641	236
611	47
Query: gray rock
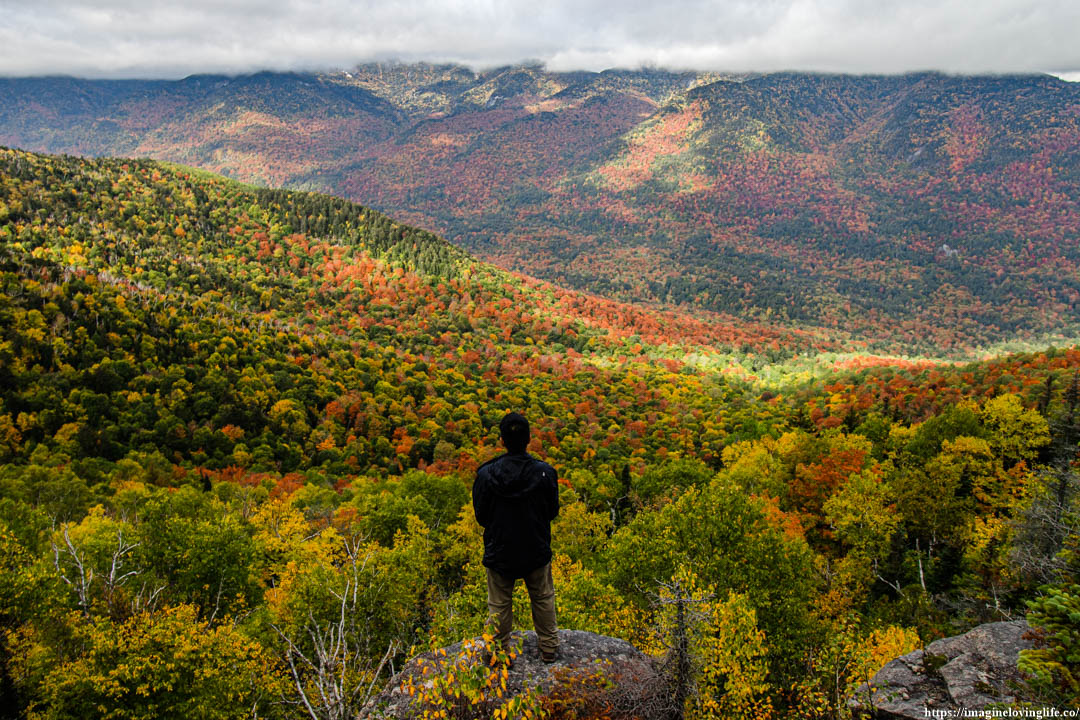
969	671
637	680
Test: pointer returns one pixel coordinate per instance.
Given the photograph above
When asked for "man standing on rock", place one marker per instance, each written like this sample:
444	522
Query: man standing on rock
515	498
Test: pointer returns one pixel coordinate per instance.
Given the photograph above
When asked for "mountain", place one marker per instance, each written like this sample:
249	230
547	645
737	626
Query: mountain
918	213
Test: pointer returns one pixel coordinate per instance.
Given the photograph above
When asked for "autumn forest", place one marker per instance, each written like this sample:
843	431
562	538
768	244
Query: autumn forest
922	213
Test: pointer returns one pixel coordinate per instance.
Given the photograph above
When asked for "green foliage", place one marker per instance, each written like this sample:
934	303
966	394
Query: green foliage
956	421
55	488
663	481
863	516
204	555
28	588
725	537
1054	664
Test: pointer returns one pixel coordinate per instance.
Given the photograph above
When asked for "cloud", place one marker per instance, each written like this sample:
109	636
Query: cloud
165	38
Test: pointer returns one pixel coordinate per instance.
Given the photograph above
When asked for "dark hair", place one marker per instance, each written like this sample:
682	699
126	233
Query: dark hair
514	429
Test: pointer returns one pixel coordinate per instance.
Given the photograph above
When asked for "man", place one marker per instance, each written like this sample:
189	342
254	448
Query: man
515	498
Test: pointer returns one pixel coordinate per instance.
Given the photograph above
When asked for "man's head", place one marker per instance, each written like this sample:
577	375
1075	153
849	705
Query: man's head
514	429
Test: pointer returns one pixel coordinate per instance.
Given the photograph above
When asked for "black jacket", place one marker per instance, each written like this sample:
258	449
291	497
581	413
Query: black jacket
515	498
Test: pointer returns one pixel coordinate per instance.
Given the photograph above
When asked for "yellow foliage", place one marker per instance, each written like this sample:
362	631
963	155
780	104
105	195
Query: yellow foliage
167	664
730	650
882	646
586	603
470	683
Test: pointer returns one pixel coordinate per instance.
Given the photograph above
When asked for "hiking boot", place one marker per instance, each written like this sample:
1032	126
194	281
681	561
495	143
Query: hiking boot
549	656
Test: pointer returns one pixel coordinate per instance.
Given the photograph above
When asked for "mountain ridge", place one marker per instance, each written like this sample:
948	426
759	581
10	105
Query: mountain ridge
922	213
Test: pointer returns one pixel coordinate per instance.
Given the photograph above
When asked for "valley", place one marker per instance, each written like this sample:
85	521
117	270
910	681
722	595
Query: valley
916	215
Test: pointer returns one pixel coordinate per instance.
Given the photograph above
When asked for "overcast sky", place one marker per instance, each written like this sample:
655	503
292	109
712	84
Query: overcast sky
174	38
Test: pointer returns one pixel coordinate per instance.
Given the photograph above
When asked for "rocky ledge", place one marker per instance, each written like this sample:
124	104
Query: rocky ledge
632	680
969	671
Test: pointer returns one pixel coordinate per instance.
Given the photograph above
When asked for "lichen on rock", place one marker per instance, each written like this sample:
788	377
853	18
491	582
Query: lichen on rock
969	671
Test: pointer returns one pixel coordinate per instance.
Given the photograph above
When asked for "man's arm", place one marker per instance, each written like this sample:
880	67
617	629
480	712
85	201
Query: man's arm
481	501
554	493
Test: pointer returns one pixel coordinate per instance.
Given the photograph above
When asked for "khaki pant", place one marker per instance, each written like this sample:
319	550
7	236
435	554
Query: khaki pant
541	596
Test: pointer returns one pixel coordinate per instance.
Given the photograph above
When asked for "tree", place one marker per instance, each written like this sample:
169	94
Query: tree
1053	665
166	664
863	515
342	618
1046	544
1016	434
714	653
728	540
204	553
28	591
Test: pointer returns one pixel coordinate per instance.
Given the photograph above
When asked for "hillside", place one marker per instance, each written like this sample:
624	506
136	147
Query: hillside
921	213
311	308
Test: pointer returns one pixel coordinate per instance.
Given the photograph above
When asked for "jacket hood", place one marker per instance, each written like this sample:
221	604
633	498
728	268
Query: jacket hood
514	475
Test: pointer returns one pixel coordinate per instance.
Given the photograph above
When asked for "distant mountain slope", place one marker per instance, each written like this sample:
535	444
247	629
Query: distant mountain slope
925	208
919	213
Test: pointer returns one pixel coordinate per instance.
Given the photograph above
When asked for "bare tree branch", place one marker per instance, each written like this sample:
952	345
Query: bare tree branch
334	676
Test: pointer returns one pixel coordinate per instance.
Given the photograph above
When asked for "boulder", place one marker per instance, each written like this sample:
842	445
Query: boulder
969	671
632	681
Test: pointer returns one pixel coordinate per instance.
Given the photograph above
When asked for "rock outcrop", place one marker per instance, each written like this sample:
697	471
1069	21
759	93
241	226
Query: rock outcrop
969	671
633	679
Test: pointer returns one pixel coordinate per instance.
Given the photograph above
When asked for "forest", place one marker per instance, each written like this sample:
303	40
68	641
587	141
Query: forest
921	214
239	426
